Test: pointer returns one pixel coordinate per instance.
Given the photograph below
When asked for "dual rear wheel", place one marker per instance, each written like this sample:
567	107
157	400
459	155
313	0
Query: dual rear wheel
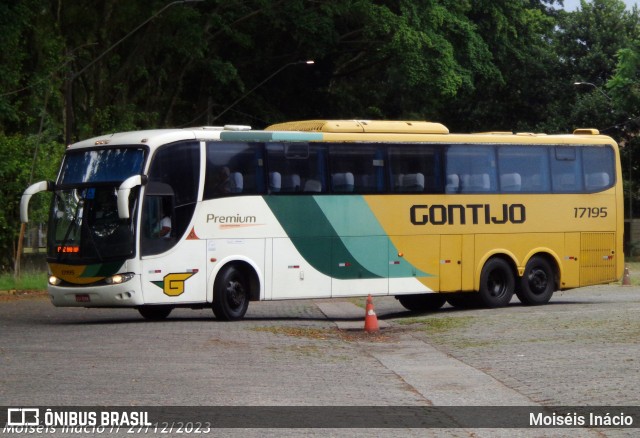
498	283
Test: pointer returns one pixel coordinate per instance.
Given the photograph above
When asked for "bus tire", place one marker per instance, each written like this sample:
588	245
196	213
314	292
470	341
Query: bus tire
537	283
497	283
422	302
231	294
155	313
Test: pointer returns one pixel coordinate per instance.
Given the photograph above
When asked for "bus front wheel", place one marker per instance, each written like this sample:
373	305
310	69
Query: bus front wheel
497	283
230	294
537	284
422	302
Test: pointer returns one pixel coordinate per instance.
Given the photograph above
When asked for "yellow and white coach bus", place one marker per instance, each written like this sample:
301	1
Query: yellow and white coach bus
319	209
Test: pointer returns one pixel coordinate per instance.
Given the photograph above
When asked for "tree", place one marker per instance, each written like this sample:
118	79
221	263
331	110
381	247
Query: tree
19	153
587	43
624	89
624	84
519	37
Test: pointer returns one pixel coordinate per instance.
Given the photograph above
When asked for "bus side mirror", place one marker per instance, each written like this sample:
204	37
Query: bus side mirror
26	197
123	193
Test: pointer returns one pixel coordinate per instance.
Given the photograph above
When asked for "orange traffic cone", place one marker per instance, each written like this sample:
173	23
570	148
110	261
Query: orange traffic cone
626	280
370	319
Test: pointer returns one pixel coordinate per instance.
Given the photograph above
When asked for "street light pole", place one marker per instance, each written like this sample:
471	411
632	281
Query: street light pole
68	93
577	84
264	81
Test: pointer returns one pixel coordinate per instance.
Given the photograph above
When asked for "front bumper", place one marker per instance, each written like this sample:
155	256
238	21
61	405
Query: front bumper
128	294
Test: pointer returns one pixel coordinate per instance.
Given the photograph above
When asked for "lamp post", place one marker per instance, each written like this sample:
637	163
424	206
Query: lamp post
577	84
68	93
265	80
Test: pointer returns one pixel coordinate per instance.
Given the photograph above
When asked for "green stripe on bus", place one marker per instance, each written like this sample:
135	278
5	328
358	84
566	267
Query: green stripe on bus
315	238
340	236
352	216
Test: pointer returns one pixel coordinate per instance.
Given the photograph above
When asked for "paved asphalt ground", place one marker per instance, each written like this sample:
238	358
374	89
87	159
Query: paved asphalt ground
582	349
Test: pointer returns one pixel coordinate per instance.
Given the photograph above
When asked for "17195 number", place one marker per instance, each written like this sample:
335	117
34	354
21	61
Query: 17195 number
590	212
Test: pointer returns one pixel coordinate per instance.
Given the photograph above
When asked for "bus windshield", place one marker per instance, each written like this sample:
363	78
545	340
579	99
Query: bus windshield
84	225
102	165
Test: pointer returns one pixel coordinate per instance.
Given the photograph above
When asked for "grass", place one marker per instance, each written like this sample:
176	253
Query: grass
28	281
439	324
297	332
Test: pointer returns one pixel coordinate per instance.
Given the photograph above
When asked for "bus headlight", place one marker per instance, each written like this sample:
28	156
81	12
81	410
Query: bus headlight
119	278
54	281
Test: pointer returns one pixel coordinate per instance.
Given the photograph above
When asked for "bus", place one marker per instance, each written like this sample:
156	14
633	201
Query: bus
332	208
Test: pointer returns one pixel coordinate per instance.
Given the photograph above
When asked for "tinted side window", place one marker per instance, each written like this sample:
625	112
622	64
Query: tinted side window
470	169
523	169
599	169
566	170
356	168
297	167
233	168
178	167
415	168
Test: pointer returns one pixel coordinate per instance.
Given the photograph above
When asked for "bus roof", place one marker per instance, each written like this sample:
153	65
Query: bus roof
363	126
333	130
157	137
404	131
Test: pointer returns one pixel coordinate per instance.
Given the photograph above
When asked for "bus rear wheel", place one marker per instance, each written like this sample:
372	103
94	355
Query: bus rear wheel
537	284
497	283
422	302
230	294
155	313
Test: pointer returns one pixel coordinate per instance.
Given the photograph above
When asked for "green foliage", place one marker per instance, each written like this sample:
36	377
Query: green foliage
472	64
624	85
624	89
72	70
587	43
18	154
27	282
